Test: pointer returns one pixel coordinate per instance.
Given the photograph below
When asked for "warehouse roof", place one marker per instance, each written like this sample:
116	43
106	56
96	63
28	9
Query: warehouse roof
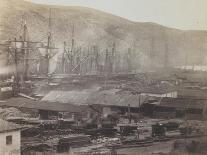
113	98
21	102
75	97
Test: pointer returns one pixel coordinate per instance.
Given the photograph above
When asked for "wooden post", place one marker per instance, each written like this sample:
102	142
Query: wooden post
129	113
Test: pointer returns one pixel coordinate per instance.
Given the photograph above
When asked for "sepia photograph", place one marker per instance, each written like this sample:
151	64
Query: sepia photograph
103	77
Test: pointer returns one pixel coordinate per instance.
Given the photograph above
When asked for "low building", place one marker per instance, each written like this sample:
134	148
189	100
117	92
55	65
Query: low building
46	109
112	101
109	100
192	93
10	138
193	67
179	108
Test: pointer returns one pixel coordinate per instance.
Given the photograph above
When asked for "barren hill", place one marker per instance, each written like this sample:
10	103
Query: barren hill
149	41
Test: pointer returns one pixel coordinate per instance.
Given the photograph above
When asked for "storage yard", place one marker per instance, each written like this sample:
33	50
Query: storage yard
121	115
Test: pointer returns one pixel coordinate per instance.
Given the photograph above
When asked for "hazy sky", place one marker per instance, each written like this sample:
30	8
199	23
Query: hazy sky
181	14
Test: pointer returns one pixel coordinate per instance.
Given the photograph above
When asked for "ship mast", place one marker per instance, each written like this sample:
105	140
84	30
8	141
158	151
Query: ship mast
48	45
48	49
25	51
16	88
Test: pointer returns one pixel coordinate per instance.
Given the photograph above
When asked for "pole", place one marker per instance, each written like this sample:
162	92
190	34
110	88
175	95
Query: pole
129	113
139	102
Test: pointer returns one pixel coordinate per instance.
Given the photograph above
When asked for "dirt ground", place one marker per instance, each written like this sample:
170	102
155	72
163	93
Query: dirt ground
156	148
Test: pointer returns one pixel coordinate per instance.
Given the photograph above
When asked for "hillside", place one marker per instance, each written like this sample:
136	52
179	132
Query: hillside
149	41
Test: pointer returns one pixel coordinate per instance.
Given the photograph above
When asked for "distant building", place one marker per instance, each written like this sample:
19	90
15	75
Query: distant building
193	67
10	138
171	94
6	90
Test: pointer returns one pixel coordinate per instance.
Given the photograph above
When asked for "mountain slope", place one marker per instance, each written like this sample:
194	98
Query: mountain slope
149	41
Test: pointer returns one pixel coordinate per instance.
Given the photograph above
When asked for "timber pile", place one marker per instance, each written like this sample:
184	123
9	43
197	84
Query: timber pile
75	140
38	143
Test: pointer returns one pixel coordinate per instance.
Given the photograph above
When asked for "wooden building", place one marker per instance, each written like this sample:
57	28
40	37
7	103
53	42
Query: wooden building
10	138
178	108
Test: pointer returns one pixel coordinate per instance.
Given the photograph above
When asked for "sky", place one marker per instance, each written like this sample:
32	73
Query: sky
180	14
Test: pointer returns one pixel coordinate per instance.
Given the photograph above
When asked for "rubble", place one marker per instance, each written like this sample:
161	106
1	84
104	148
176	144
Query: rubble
7	113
